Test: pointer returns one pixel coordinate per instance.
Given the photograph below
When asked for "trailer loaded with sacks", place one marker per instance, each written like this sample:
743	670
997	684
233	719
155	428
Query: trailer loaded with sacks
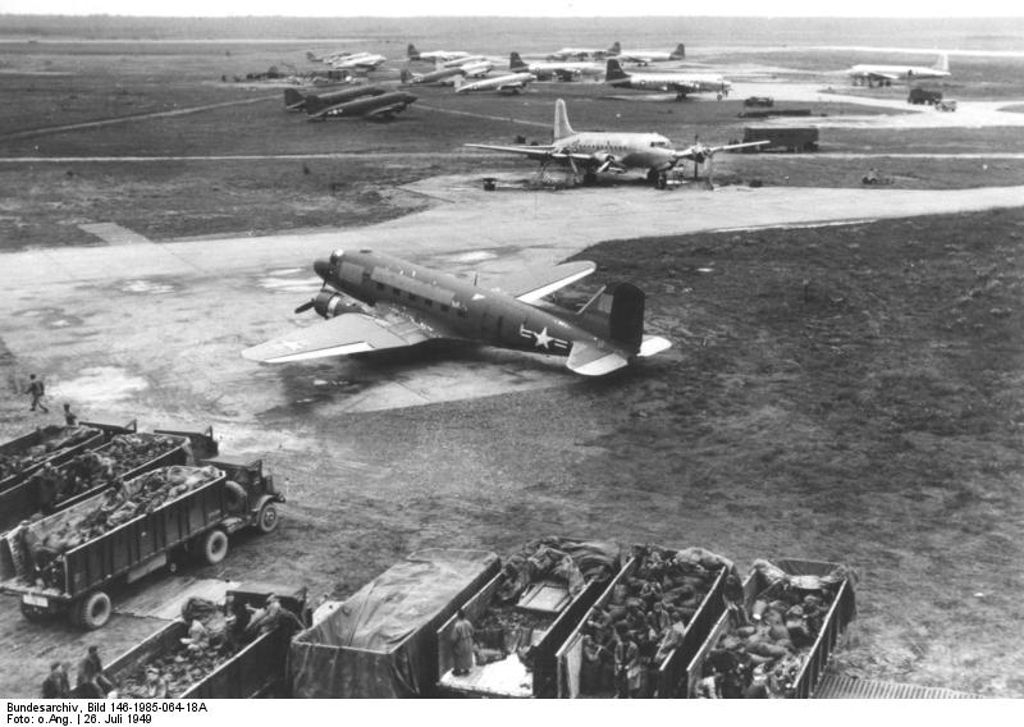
67	562
53	445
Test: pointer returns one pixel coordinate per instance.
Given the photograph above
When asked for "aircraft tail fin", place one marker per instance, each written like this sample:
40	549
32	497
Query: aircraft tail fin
314	104
515	62
293	99
411	52
616	313
561	128
614	71
616	49
942	64
679	52
311	57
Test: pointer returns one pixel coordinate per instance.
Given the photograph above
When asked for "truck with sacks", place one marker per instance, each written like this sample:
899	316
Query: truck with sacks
53	445
67	562
238	651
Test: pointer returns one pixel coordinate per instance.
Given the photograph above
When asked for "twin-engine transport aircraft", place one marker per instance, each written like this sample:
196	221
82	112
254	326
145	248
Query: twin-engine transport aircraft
511	83
380	106
441	76
410	304
682	83
594	152
646	57
319	104
872	75
562	70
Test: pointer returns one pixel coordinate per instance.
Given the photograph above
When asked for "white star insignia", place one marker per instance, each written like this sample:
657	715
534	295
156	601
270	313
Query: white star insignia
542	339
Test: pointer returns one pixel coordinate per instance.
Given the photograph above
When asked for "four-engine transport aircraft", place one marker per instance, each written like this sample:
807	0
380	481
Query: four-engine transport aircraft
380	106
361	61
511	83
682	83
440	76
434	55
562	70
403	304
646	57
879	75
594	152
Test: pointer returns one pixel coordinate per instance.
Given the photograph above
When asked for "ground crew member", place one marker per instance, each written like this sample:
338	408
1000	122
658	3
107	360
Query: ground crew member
36	390
462	644
56	685
69	417
91	677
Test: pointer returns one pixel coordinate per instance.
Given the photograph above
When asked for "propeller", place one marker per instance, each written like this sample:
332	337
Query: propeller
307	305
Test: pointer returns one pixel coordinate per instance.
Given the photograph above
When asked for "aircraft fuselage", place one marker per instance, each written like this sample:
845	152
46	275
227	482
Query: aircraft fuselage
630	150
454	306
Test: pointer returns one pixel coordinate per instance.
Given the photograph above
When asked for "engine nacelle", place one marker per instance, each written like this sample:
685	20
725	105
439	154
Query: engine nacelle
329	303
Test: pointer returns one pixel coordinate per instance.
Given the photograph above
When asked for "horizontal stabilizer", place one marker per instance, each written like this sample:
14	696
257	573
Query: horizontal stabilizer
340	336
652	345
589	360
530	286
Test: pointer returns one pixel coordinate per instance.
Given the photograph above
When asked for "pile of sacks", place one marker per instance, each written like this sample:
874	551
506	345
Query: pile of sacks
55	439
93	470
628	638
761	654
42	543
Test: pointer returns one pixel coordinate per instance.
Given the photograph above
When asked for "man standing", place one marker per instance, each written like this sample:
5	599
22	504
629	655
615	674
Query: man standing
462	645
56	685
70	418
36	390
91	677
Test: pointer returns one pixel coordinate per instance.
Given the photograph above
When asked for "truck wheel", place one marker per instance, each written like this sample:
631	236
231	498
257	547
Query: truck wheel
93	611
215	546
267	520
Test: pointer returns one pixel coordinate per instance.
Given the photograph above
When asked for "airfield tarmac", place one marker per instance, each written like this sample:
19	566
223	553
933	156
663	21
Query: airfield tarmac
468	446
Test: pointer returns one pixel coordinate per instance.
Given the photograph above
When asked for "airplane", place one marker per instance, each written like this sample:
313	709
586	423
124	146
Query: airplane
580	54
295	101
466	60
646	57
512	83
373	301
681	82
562	70
377	106
434	55
617	151
361	61
476	69
441	76
878	75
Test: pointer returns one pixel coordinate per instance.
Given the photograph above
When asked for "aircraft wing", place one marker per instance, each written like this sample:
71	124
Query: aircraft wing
535	152
879	74
339	336
531	285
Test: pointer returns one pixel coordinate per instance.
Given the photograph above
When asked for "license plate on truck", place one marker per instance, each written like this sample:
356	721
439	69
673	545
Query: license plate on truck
30	600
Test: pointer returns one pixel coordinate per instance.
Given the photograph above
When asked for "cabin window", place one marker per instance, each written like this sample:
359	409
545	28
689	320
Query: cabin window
444	308
413	297
429	303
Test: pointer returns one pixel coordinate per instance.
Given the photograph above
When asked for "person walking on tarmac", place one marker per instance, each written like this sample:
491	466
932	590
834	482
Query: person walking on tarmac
37	391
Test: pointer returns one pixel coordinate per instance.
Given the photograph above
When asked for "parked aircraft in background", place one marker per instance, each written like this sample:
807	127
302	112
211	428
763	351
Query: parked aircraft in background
682	83
512	83
295	101
434	55
476	69
646	57
580	54
467	60
403	304
562	70
878	75
361	61
441	76
595	152
378	106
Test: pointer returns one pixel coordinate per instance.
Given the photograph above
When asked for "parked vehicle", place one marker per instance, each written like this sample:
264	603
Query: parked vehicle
52	444
919	96
761	101
790	139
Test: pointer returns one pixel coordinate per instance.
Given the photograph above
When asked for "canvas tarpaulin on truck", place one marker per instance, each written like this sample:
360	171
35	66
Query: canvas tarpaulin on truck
381	642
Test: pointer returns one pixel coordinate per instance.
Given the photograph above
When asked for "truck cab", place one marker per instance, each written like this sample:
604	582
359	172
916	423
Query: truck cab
252	497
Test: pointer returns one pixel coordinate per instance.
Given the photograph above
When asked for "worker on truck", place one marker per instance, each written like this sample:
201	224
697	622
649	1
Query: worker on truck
91	679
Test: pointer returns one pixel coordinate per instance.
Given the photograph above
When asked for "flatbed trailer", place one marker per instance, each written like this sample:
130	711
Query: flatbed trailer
257	668
841	611
197	523
19	462
24	500
672	667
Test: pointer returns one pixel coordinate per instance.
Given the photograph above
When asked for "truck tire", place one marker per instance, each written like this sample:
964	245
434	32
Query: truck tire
215	546
93	611
267	519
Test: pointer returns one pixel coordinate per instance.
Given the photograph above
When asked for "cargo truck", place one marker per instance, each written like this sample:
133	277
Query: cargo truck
524	614
801	668
21	456
73	577
919	96
382	641
665	673
790	139
231	668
